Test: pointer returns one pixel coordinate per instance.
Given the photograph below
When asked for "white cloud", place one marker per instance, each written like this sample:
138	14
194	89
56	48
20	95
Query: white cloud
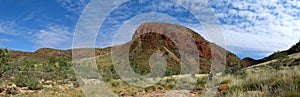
7	28
256	27
53	37
259	26
73	6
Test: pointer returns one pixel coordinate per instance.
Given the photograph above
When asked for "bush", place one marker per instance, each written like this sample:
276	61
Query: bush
201	81
115	84
21	81
25	81
150	88
170	86
34	84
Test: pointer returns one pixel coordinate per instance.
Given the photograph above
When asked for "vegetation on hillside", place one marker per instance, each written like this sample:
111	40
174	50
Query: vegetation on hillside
280	78
5	65
29	73
281	54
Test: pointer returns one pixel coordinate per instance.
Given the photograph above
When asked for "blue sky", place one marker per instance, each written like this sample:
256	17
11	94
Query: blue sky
251	28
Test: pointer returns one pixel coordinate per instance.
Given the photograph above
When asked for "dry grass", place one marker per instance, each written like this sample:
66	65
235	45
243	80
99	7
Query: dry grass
265	82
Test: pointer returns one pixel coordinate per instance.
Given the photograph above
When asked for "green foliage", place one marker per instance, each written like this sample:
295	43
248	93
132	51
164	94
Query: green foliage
150	88
4	61
63	68
279	55
200	84
115	84
170	86
27	81
201	81
109	74
21	80
58	68
236	70
140	69
225	81
172	70
27	64
34	84
48	67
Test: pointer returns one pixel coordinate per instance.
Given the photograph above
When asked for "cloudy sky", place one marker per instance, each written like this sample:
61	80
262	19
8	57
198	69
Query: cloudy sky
250	28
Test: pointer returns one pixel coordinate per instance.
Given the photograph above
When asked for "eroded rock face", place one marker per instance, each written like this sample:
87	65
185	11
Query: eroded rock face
153	35
172	34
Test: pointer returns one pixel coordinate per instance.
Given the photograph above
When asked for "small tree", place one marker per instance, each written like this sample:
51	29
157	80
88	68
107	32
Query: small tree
4	61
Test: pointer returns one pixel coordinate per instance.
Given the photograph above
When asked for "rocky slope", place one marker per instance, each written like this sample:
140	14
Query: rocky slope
156	40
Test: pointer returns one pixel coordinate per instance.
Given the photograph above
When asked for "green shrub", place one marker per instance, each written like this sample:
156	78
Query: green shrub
4	61
172	70
170	86
115	84
201	81
49	76
150	88
34	84
25	81
21	80
279	55
236	69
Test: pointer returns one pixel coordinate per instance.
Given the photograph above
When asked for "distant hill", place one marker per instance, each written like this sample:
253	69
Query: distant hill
250	61
294	49
44	54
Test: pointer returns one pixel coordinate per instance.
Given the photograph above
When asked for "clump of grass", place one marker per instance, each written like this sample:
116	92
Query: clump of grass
227	81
